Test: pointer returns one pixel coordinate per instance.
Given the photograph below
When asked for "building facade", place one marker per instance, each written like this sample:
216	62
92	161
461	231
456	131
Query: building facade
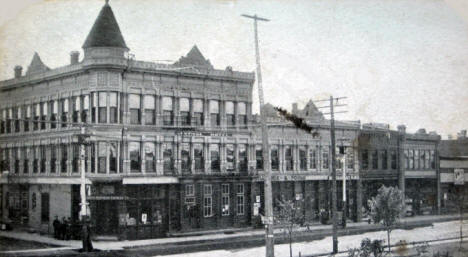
175	148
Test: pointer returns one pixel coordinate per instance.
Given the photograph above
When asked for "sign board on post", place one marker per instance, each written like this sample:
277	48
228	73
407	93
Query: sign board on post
459	176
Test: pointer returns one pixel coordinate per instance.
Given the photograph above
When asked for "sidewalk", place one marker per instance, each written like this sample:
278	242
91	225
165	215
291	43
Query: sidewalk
214	235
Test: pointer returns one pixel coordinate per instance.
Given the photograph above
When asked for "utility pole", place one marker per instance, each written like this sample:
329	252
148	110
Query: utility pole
84	214
269	235
345	209
333	164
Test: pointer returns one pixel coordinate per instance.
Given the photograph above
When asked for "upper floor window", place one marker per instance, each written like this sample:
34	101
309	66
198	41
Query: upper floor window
259	157
2	121
365	159
42	150
53	158
64	160
411	159
433	160
9	115
134	106
76	109
384	157
113	157
64	107
214	113
375	159
230	116
27	116
94	104
214	156
102	157
242	114
36	159
150	157
423	159
312	158
197	112
85	109
185	157
37	114
230	158
288	156
43	115
168	113
135	156
184	111
274	157
416	159
325	159
350	158
168	158
242	157
198	157
17	117
113	107
302	158
53	113
393	157
102	103
150	108
76	158
427	160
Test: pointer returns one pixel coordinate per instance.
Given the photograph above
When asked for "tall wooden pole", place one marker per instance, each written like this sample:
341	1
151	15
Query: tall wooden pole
269	233
333	166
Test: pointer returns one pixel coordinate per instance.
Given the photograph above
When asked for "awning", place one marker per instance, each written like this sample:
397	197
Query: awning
150	180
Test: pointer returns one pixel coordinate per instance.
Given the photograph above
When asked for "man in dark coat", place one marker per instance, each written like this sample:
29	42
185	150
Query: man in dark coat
56	224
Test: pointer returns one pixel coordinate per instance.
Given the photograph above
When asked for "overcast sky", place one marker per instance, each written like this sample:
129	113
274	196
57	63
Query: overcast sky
397	61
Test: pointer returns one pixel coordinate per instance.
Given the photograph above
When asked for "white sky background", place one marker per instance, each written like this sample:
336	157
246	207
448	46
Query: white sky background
397	61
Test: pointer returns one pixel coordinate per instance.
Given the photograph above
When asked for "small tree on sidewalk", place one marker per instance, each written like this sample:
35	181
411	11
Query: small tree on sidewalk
386	208
289	216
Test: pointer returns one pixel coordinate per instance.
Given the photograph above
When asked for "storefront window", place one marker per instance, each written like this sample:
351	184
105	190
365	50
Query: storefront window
150	157
207	201
135	157
230	159
134	106
214	113
225	199
150	107
184	111
240	199
168	111
214	156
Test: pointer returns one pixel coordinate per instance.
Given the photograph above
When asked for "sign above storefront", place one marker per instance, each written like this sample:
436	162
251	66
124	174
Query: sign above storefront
459	176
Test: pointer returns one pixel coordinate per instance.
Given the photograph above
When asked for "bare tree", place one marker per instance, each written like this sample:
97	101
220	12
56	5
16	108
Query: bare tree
386	208
289	216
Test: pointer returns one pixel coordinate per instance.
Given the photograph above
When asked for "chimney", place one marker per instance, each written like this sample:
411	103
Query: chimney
18	71
294	108
402	129
74	56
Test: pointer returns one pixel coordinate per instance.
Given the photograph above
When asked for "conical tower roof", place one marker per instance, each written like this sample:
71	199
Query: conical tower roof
36	66
105	31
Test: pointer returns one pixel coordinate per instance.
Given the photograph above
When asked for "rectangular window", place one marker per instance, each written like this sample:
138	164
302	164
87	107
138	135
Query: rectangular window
416	159
207	201
27	116
113	157
312	158
185	157
198	157
242	158
43	115
134	106
42	150
302	158
350	158
64	105
214	155
184	111
113	107
230	158
94	104
92	148
76	158
135	157
14	154
214	113
393	157
45	207
274	156
37	114
259	157
102	157
64	150
85	109
189	190
9	119
76	109
433	160
3	121
325	159
375	159
230	116
197	112
384	157
423	159
411	159
288	157
150	108
428	161
17	117
365	159
53	158
17	158
168	111
53	113
150	157
36	159
242	114
102	104
168	157
240	199
225	199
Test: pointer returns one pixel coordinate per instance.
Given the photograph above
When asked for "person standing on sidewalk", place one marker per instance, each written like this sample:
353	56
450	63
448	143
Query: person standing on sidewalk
56	224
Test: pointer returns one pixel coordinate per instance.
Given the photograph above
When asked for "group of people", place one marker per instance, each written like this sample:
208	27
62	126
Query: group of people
62	229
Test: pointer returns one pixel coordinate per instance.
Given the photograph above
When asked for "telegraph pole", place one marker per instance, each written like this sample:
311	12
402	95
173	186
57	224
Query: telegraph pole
84	214
333	157
269	235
